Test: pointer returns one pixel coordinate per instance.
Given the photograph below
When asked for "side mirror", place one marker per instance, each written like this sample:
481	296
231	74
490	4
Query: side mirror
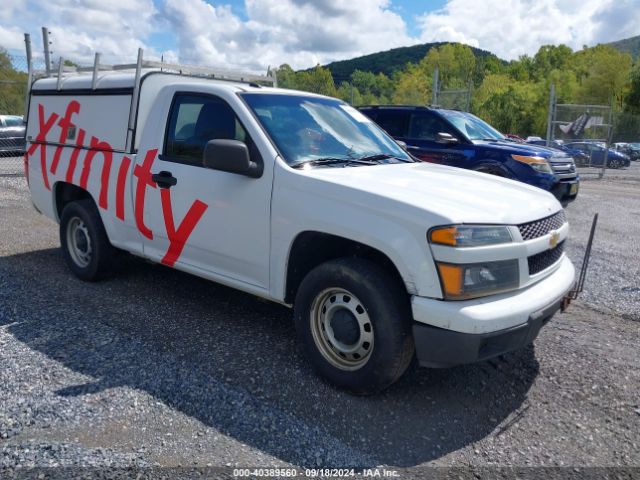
402	144
230	156
446	138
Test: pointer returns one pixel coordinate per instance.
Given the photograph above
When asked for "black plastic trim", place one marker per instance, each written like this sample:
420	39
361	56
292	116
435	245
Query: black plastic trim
441	348
83	92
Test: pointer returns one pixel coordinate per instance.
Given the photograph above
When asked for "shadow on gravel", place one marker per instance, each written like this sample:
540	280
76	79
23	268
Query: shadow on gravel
232	362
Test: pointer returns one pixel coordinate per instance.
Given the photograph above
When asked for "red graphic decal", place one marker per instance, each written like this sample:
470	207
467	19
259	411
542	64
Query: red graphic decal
73	161
178	238
39	142
122	181
64	124
98	146
143	172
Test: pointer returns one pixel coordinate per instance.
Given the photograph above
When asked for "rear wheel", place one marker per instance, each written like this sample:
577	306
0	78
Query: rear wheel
353	321
85	244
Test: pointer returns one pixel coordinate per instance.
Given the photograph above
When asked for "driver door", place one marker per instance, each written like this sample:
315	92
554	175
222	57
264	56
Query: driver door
210	222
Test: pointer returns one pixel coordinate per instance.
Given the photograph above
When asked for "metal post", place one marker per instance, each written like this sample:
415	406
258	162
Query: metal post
27	45
96	68
435	86
60	69
133	111
608	141
351	92
47	53
551	114
468	103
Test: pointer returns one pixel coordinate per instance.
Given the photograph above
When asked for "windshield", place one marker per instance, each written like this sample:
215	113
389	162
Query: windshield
308	129
471	126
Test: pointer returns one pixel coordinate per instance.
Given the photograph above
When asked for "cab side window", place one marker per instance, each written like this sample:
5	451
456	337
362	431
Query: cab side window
427	127
395	123
196	119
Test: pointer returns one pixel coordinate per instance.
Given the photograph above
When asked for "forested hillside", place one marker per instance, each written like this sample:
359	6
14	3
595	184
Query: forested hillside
628	45
513	96
388	62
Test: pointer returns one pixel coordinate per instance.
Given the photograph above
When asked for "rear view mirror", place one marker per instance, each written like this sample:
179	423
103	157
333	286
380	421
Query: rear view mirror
230	156
446	138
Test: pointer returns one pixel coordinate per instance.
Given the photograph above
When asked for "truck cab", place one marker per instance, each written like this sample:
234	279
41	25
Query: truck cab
460	139
302	200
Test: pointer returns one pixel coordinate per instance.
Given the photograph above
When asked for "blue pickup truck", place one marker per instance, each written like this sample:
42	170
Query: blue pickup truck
460	139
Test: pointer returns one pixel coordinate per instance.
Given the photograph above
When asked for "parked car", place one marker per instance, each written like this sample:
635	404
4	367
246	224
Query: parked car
12	135
300	199
630	149
460	139
596	152
581	158
513	136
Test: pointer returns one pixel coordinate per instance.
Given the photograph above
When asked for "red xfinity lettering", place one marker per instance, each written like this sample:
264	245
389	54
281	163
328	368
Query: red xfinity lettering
40	141
143	172
73	161
98	146
178	238
64	124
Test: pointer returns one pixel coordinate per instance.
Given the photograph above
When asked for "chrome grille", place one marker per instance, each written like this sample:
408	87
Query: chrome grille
541	227
543	260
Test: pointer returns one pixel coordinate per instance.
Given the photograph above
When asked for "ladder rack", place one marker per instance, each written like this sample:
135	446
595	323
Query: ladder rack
180	69
174	68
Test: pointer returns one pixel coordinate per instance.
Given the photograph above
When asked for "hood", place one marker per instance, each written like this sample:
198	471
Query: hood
521	148
456	195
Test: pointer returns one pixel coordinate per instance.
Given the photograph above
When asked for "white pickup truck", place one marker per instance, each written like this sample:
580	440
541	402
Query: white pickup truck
300	199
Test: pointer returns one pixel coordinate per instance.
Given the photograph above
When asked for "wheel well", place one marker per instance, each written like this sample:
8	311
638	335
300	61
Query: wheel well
66	193
311	249
493	168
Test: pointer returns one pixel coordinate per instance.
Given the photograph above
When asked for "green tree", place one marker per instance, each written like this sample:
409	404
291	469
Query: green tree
632	99
12	86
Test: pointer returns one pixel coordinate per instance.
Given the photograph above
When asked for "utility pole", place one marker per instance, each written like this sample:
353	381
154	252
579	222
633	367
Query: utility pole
550	115
434	93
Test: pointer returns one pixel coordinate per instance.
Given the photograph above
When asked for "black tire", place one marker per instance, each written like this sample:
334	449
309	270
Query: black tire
386	305
82	217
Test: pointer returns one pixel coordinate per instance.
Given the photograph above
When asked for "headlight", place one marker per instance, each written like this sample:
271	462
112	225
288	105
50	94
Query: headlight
539	164
469	235
461	282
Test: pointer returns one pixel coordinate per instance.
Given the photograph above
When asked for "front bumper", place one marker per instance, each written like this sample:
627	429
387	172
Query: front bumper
448	333
439	348
566	191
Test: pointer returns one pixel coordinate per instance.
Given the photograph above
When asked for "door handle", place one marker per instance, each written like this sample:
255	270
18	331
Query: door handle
164	179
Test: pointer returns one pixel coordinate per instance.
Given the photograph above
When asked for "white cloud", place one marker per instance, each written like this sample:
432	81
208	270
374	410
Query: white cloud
299	32
304	32
510	28
79	28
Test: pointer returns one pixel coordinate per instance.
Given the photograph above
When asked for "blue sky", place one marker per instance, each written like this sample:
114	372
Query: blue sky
255	34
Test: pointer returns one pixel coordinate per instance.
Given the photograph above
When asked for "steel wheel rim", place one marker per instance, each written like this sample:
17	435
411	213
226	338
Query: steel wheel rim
337	304
79	242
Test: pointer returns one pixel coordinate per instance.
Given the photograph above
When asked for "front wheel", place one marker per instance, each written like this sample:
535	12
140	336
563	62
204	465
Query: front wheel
353	321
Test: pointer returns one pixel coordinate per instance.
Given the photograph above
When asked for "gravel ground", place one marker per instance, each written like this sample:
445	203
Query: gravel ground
158	368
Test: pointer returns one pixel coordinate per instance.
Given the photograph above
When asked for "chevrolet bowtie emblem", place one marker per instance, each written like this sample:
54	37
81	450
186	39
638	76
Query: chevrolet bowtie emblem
553	241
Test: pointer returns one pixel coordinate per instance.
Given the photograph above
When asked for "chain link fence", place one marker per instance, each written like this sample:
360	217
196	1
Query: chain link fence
13	89
585	132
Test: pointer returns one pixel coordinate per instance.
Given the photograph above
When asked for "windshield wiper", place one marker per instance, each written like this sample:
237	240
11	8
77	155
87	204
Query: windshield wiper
328	161
382	156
